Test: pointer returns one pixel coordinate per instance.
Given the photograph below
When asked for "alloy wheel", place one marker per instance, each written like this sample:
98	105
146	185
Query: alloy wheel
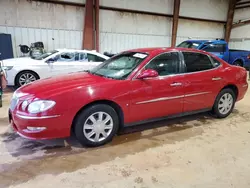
26	78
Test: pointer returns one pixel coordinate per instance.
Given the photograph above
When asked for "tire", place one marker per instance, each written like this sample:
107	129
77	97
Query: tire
238	63
22	75
86	129
218	104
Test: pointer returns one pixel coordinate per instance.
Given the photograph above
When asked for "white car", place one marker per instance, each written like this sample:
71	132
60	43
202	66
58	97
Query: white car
21	71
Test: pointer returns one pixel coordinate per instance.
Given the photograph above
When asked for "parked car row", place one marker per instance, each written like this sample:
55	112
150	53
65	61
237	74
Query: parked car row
21	71
130	88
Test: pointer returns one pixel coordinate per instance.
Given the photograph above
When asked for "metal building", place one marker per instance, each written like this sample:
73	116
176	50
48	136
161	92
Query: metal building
119	24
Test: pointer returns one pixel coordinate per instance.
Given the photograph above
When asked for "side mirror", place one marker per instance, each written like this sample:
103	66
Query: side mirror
148	73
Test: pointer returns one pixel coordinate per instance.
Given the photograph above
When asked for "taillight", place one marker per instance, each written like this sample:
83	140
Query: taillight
248	57
245	75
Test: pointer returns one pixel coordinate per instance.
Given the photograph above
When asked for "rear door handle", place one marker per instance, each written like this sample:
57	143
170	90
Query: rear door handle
216	78
176	84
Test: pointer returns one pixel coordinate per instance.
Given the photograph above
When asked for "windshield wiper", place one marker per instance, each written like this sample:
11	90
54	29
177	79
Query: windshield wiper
102	75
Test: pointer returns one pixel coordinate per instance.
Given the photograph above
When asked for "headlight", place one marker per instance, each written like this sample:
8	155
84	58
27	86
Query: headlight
7	68
24	105
40	106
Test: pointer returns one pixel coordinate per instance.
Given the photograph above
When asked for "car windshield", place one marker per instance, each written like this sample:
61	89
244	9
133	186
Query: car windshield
45	55
120	66
189	44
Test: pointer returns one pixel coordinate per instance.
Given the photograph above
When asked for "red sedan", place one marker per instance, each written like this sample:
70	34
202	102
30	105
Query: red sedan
133	87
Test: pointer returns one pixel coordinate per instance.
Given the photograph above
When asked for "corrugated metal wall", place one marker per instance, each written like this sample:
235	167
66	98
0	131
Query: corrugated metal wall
159	6
207	9
58	26
240	36
188	29
122	31
52	38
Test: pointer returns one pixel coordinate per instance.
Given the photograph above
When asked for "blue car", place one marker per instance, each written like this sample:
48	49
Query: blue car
220	49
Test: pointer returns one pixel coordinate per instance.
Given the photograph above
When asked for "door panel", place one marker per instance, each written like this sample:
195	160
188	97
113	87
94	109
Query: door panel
156	97
59	68
202	81
201	90
84	61
61	64
160	96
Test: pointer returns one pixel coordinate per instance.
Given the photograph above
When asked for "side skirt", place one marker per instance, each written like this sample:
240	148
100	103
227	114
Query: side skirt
167	117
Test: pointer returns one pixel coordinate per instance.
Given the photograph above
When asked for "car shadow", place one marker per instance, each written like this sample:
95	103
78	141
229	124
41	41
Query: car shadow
67	155
18	146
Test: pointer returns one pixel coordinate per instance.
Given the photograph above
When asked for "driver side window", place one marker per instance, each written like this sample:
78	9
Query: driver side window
66	57
165	64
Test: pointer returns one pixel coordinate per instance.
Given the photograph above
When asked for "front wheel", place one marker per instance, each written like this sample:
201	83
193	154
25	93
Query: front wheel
25	77
96	125
224	103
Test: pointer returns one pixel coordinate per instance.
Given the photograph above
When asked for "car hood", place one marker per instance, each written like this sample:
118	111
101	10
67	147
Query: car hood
20	61
57	85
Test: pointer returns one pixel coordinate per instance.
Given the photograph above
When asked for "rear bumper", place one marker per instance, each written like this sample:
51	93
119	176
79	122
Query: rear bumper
242	91
10	77
52	126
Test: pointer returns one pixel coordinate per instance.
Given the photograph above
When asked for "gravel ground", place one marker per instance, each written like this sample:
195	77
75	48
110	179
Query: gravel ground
197	151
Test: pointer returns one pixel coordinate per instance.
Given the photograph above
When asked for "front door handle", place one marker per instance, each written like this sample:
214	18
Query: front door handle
176	84
216	78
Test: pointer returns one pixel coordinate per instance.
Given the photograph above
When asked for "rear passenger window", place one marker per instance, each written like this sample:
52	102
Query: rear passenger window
196	62
215	48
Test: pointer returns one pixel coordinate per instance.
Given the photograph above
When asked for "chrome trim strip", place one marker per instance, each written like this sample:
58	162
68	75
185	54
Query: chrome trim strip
170	98
42	117
28	131
195	94
20	134
160	99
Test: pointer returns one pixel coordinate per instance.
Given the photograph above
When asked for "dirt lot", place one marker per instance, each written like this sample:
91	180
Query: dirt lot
196	151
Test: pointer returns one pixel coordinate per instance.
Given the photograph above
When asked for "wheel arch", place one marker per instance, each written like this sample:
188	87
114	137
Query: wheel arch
240	60
233	87
15	81
113	104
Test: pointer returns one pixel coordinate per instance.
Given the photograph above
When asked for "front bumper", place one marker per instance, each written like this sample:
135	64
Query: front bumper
48	127
10	77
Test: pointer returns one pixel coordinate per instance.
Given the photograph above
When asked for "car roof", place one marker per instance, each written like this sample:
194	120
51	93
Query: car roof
86	51
203	41
164	49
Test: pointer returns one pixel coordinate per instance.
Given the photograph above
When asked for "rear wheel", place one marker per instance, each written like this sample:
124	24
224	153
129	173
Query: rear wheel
238	63
96	125
224	103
